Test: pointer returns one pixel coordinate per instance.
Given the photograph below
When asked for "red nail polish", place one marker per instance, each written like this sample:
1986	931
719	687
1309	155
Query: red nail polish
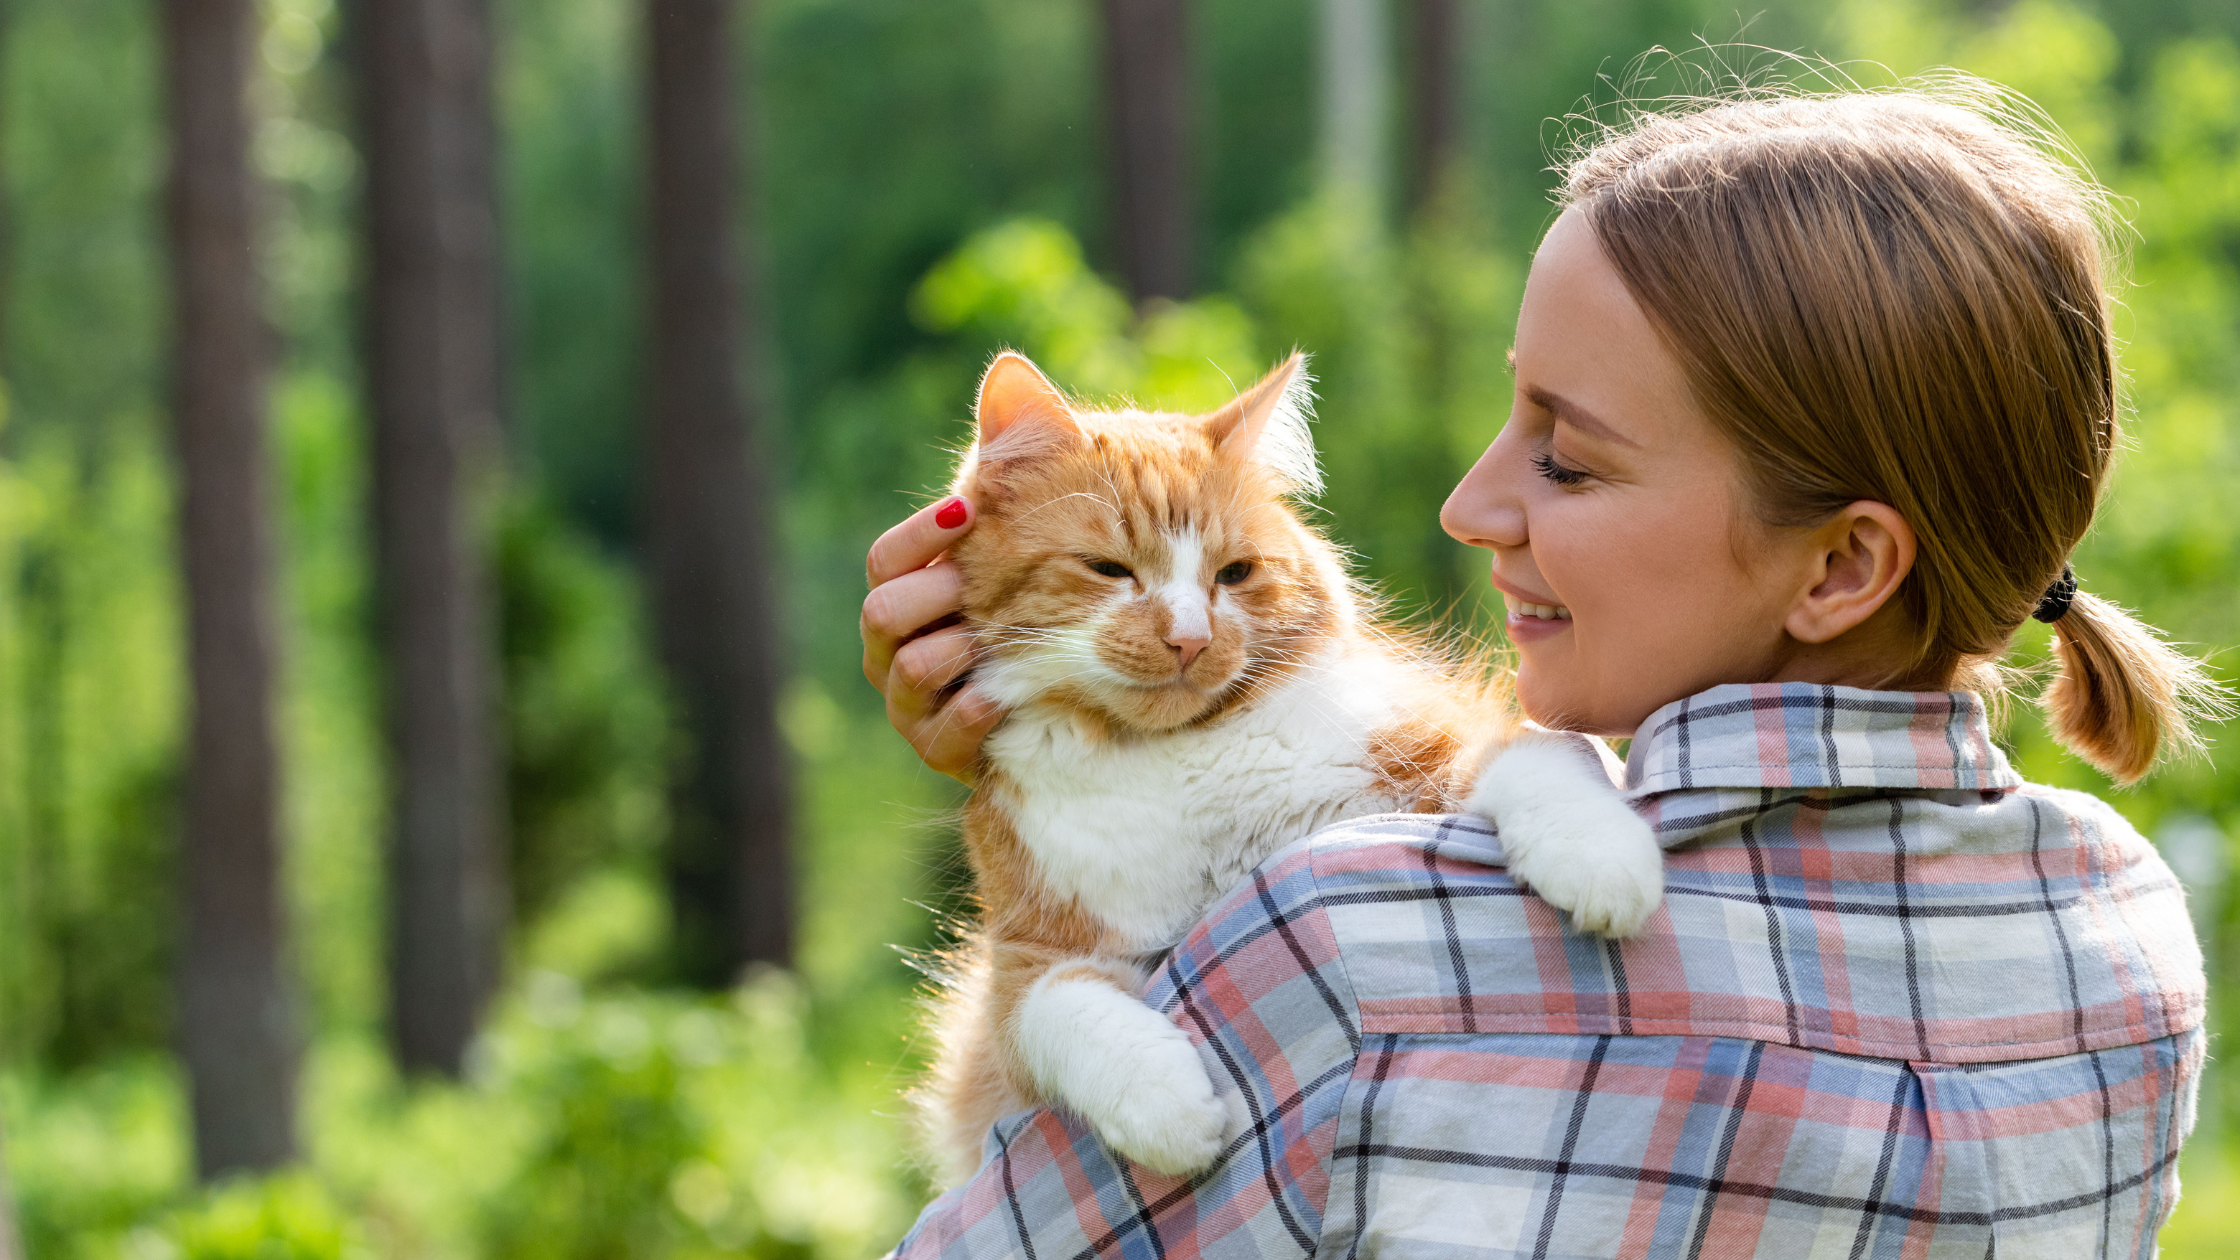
951	514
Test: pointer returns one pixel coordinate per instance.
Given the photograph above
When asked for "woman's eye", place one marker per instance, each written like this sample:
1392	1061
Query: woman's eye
1231	574
1547	466
1109	568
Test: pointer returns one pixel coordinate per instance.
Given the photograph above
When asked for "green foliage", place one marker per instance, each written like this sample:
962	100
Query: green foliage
1025	283
2207	1223
570	163
887	132
331	774
595	1180
83	304
586	730
88	755
760	1125
310	170
598	1125
100	1155
287	1217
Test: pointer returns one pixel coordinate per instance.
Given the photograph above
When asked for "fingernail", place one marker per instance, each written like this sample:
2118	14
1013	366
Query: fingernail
951	515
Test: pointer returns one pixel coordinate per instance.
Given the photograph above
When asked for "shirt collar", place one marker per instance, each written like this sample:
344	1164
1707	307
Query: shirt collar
1801	735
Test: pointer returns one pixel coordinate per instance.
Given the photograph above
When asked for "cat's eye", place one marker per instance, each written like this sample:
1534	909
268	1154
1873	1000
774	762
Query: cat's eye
1109	568
1234	572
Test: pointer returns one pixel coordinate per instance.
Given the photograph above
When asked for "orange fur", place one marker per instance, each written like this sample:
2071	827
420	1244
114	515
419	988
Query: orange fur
1059	487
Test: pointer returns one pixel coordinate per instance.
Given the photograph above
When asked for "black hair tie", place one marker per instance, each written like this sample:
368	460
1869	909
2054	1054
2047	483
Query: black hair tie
2058	596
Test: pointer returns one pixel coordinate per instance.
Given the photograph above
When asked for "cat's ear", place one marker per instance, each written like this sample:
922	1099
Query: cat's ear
1267	424
1020	411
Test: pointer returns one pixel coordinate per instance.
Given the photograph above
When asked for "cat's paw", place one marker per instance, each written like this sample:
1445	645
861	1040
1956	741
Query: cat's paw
1601	863
1120	1066
1571	839
1167	1118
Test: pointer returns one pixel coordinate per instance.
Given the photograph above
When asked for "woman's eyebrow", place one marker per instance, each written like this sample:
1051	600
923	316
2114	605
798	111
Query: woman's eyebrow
1576	416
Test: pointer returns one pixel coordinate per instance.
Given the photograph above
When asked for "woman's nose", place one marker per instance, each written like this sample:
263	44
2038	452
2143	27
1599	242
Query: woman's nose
1485	510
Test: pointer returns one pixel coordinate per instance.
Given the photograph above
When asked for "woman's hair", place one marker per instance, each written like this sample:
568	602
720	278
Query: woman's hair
1902	296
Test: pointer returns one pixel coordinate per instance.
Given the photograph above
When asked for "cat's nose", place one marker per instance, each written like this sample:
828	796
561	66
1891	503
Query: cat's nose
1187	648
1189	628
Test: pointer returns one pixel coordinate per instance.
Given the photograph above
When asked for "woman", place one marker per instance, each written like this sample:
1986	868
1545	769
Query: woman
1814	397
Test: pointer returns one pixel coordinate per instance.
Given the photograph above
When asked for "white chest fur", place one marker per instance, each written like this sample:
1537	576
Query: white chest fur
1145	833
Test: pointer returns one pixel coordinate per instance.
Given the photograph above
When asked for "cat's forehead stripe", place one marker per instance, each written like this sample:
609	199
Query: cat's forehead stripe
1185	555
1152	501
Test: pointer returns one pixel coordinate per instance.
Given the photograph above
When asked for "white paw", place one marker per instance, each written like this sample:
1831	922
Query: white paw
1571	839
1601	864
1167	1118
1120	1066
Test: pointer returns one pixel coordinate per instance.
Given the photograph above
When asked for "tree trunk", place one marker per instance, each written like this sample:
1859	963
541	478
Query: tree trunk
432	365
707	522
1147	112
234	1025
1434	107
1355	88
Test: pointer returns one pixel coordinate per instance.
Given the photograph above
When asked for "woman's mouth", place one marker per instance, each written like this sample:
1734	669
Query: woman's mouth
1545	612
1528	621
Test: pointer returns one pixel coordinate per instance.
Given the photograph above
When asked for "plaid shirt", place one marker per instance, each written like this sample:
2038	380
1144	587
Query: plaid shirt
1897	1003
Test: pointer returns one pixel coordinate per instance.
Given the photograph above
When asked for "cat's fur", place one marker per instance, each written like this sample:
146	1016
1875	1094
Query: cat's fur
1172	726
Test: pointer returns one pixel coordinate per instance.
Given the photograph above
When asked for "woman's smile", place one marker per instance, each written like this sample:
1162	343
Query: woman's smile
1532	616
1533	622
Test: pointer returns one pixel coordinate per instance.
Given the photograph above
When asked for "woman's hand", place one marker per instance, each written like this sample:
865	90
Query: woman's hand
913	646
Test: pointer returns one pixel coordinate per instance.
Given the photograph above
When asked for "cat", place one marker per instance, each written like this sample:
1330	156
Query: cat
1192	682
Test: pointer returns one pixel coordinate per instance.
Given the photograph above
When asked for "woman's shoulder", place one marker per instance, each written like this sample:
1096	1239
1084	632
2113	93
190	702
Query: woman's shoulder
2085	813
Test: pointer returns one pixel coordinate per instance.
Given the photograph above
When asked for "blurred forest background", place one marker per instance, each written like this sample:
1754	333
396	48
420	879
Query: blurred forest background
519	534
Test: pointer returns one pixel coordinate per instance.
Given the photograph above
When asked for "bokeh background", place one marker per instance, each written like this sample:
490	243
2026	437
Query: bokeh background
1152	197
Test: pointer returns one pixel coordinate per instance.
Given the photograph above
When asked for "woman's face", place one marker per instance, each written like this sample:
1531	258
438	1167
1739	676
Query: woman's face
1614	512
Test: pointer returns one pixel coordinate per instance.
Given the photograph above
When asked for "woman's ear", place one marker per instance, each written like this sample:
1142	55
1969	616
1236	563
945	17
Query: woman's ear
1859	558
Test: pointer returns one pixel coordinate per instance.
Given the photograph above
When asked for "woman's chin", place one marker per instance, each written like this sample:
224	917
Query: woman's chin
1544	697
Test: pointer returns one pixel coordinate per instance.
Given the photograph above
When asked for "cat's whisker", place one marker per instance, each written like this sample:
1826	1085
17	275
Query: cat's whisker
1027	634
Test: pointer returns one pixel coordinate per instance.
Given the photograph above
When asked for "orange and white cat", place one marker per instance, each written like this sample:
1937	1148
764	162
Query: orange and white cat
1192	682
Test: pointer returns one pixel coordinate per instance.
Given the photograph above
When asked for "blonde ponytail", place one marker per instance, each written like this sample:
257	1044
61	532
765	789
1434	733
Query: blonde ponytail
2123	696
